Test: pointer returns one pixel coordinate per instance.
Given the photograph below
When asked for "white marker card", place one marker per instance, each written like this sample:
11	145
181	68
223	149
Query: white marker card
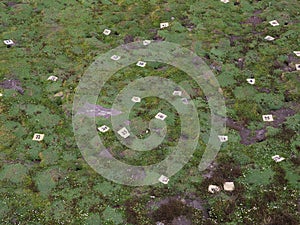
103	128
228	186
297	66
277	158
146	42
269	38
106	32
136	99
213	188
225	1
267	118
223	138
164	25
163	179
53	78
160	116
8	42
178	93
297	53
274	23
141	64
115	57
124	132
38	137
251	80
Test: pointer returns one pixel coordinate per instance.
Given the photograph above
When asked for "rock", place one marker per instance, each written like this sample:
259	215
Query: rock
59	94
12	84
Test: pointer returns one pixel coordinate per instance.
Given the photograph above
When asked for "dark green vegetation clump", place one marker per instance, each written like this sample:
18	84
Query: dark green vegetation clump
49	182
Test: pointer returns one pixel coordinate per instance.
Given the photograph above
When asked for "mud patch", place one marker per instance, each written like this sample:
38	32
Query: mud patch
254	20
177	210
12	84
249	137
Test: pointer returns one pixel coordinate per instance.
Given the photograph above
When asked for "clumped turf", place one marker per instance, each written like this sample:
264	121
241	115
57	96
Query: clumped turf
48	182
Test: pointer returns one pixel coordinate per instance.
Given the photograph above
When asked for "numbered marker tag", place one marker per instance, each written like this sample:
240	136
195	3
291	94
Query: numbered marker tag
277	158
160	116
163	179
146	42
8	42
185	101
115	57
223	138
106	32
38	137
163	25
136	99
228	186
213	189
297	53
225	1
141	64
274	23
269	38
268	118
53	78
251	81
297	66
178	93
124	132
103	128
